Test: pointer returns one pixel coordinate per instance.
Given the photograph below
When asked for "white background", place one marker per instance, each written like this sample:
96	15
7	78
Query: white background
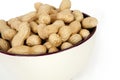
105	61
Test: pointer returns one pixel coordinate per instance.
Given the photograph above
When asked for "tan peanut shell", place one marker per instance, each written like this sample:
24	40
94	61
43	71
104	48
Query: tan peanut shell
40	29
89	22
65	4
26	50
29	17
14	23
4	45
22	35
75	26
38	49
44	19
37	5
53	49
65	33
84	33
23	50
48	45
66	16
6	32
75	38
55	40
33	26
33	40
78	15
66	45
59	23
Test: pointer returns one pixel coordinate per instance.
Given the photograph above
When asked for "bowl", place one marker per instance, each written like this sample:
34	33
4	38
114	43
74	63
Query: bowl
62	65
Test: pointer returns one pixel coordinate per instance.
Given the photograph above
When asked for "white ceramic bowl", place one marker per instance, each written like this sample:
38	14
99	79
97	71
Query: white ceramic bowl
63	65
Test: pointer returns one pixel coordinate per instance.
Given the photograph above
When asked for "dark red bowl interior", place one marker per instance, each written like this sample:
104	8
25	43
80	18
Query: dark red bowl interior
92	31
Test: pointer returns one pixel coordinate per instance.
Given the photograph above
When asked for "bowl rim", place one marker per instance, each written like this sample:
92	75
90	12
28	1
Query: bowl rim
78	44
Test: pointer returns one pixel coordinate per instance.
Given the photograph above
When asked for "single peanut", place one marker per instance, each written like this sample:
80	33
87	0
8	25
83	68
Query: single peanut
44	19
44	9
65	33
38	49
29	17
33	40
22	35
40	29
4	45
65	4
78	15
75	38
6	32
33	26
37	5
66	16
53	49
66	45
89	22
55	40
75	26
26	50
22	50
14	23
48	45
59	23
84	33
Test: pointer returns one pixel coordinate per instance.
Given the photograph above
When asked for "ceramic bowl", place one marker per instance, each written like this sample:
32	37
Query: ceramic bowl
62	65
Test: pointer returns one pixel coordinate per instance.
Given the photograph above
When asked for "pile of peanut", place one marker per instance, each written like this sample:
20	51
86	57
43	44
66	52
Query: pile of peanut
45	30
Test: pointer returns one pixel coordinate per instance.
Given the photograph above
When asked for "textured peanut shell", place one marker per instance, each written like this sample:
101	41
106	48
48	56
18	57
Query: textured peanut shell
75	38
4	45
75	26
66	45
65	4
22	35
55	40
65	33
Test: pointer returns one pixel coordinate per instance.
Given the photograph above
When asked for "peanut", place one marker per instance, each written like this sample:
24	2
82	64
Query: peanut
23	33
66	45
55	40
75	38
48	45
40	29
26	50
44	9
4	45
66	16
84	33
89	22
78	15
29	17
65	4
53	49
75	26
33	26
37	5
44	19
33	40
14	23
38	49
65	33
59	23
6	32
